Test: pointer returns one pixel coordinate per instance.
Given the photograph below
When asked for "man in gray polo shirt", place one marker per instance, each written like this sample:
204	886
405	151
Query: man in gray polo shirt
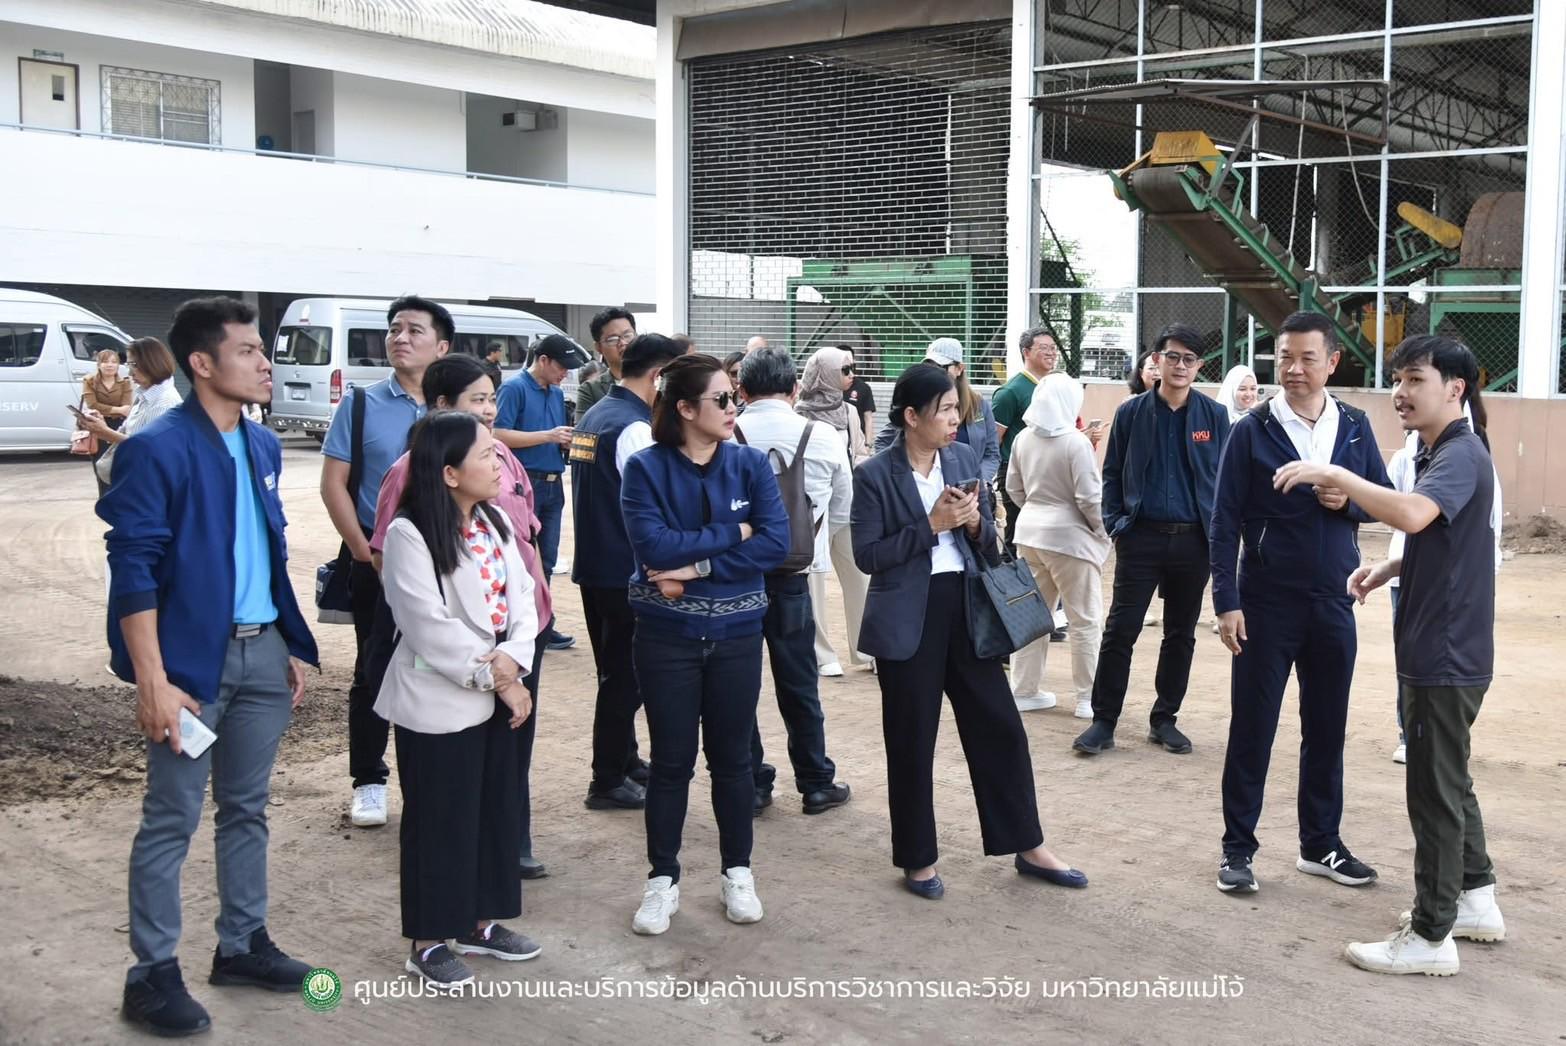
1445	646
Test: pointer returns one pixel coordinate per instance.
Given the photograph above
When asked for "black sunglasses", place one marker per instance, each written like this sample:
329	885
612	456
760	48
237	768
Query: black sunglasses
722	399
848	368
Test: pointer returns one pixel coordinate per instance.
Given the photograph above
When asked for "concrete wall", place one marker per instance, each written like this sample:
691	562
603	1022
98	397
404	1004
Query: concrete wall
388	121
274	114
312	91
609	151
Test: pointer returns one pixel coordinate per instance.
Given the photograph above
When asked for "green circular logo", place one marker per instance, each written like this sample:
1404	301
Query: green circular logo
322	990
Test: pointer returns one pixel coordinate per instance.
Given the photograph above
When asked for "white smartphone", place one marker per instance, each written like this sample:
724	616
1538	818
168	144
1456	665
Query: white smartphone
195	737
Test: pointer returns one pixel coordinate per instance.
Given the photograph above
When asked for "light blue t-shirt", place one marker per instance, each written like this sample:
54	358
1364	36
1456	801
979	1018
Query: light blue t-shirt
389	412
252	546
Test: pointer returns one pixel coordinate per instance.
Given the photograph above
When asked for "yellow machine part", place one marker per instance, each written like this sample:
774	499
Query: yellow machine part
1438	229
1388	334
1176	147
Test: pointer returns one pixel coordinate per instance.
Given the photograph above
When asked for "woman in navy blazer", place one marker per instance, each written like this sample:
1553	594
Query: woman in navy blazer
919	526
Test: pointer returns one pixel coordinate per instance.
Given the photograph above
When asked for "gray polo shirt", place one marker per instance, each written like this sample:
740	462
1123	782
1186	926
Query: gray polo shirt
1445	624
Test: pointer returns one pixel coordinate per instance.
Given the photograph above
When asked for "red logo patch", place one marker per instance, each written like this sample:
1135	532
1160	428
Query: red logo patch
1201	436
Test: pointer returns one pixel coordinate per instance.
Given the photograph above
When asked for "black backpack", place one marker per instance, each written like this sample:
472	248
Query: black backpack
802	526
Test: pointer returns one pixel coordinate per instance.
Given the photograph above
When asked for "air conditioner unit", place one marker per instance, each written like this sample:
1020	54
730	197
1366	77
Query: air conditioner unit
531	119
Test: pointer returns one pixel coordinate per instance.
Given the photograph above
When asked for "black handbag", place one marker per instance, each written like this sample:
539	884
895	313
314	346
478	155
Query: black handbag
1005	610
333	597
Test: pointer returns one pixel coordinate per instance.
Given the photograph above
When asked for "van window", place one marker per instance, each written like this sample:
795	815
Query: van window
21	346
477	344
87	342
367	347
304	346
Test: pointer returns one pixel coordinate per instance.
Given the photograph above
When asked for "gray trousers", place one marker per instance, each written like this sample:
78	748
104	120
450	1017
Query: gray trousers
253	707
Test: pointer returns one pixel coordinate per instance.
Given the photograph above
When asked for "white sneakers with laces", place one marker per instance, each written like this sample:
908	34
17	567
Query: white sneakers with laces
1478	916
1035	702
1406	952
660	900
369	806
1084	708
740	902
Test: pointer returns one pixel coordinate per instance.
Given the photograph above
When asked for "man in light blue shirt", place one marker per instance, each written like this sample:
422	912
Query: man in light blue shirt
252	559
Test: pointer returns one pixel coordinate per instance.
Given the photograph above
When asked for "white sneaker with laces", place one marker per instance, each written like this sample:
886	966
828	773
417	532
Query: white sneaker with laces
740	902
1400	754
369	806
1406	952
831	668
1036	702
1478	916
1084	708
660	900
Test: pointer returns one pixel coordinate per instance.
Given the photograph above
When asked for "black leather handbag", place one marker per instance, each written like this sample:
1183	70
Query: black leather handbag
1005	610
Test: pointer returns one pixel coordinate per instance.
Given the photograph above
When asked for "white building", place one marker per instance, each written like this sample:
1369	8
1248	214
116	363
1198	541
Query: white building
499	152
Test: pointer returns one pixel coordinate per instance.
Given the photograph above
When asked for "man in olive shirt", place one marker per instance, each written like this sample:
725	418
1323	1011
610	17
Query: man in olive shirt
613	330
1011	400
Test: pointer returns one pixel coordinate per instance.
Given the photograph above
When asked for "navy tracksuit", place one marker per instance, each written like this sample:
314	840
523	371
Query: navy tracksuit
1294	560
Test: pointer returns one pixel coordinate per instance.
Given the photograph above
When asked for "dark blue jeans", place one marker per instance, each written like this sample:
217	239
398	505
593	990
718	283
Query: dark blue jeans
691	687
790	633
548	505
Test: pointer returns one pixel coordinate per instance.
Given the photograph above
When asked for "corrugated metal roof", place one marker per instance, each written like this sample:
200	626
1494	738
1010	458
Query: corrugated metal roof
518	28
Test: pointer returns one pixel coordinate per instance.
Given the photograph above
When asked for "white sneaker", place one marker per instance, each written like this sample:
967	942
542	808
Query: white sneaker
1150	620
1478	916
660	900
1036	703
1406	952
1084	708
831	668
1400	754
369	806
740	902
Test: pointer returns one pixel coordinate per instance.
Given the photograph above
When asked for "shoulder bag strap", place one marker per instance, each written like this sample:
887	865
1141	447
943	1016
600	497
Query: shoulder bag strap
356	453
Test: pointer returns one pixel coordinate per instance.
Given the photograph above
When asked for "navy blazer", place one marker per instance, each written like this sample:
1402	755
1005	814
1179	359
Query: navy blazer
893	541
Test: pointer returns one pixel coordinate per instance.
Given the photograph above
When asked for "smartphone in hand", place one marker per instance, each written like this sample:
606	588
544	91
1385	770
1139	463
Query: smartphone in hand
967	486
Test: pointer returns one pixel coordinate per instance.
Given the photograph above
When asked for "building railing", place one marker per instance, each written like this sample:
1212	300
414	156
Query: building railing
314	158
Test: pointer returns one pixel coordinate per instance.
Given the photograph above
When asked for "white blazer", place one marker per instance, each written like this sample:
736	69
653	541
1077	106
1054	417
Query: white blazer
435	683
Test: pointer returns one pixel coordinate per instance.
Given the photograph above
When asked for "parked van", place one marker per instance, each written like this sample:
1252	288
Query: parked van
47	346
326	345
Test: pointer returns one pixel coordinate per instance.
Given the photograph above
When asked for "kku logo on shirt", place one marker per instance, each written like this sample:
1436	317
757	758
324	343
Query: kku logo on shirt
1202	436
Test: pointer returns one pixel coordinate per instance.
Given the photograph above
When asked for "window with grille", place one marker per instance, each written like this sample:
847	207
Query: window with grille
160	105
853	192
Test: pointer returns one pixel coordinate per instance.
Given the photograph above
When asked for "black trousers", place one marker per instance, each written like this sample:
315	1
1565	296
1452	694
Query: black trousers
993	740
610	629
1013	510
705	687
1147	561
373	633
789	630
460	851
525	735
1316	637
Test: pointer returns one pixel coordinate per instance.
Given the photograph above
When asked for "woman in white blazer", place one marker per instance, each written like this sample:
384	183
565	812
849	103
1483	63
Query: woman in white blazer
462	598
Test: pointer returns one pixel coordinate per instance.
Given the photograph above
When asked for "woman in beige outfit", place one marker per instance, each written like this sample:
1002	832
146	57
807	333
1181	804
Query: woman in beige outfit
1060	534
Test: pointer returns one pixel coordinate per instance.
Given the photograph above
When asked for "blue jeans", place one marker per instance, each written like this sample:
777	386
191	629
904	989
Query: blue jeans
549	506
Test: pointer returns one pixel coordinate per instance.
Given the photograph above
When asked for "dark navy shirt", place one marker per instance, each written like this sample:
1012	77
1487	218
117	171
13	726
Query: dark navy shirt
1171	489
525	406
1445	621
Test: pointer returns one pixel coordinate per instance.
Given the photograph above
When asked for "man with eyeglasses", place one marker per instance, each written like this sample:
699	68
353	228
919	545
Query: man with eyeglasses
613	330
1160	473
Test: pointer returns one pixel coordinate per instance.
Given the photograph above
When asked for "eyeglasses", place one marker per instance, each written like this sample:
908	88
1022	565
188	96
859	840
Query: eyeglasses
619	339
722	399
1182	359
848	369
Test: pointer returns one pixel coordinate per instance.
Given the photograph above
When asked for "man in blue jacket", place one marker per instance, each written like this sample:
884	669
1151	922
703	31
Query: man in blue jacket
1159	472
1290	608
202	619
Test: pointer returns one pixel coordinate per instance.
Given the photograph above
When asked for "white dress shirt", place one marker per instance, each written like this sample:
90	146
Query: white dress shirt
634	437
1312	443
945	559
771	424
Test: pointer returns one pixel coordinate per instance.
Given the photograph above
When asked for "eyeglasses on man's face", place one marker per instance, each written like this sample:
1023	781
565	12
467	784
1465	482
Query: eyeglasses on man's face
1181	359
618	339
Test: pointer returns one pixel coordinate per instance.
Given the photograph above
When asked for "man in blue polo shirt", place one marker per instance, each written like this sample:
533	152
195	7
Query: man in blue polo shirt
202	618
530	418
419	332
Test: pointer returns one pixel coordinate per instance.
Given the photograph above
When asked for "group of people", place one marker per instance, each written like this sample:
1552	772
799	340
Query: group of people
707	500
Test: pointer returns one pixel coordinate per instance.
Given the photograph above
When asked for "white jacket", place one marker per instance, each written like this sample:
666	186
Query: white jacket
436	683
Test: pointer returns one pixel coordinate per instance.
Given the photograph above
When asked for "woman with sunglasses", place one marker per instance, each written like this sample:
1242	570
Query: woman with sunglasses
706	523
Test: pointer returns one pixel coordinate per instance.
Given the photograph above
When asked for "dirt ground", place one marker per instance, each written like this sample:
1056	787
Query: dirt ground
843	955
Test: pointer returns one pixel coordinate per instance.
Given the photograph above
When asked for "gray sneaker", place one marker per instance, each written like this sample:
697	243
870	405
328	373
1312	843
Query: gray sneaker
438	966
497	941
1235	875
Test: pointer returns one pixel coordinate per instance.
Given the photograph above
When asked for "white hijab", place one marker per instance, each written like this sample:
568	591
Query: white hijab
1231	386
1057	401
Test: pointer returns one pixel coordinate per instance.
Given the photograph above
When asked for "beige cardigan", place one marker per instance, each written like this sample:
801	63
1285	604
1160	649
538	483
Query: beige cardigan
435	683
1055	479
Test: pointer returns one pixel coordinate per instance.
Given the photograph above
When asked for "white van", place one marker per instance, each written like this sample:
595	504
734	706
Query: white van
325	345
47	346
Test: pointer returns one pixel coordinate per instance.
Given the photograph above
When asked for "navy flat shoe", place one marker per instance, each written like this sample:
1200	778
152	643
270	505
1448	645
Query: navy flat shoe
931	889
1059	876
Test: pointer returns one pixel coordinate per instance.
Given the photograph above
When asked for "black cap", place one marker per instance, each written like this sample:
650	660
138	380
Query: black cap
562	350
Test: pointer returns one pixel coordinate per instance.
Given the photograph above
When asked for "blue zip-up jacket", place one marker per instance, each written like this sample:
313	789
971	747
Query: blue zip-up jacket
677	514
171	545
1133	448
1291	544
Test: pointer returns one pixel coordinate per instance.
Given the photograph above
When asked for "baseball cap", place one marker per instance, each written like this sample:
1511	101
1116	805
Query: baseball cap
944	351
562	350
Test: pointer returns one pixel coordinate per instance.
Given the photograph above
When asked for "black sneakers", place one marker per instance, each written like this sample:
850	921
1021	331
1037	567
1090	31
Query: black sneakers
1338	865
437	965
1235	875
823	799
1170	737
263	966
160	1004
497	941
627	795
1100	737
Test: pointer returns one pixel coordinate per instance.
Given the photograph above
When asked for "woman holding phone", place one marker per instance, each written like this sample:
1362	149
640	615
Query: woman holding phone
920	525
152	373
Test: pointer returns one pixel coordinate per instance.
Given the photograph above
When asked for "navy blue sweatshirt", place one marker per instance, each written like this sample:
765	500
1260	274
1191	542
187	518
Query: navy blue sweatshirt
677	514
1292	546
597	526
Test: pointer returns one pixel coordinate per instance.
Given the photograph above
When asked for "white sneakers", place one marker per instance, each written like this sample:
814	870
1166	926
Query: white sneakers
660	899
831	668
1036	702
369	806
1478	916
1400	753
1406	952
740	902
1084	708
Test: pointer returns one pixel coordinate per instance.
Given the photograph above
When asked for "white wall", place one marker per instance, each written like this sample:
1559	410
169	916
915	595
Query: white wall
610	152
311	90
388	121
235	75
273	112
